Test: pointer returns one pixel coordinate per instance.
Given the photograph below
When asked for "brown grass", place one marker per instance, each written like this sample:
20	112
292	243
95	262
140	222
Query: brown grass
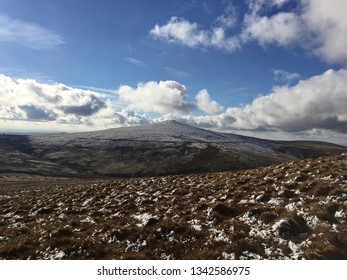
199	216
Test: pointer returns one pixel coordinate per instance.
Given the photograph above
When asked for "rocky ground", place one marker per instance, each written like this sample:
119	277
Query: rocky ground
295	210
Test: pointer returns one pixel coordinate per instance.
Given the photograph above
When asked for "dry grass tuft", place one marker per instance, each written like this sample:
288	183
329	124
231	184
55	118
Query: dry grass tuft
224	210
295	210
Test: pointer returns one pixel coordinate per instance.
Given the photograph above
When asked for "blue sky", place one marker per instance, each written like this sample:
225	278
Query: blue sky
273	69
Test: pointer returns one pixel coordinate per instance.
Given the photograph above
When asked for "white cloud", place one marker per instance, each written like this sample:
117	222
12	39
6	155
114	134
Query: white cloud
257	6
281	29
161	97
206	104
317	26
280	3
26	104
131	117
315	107
284	76
135	61
28	34
313	104
229	18
29	99
327	21
178	30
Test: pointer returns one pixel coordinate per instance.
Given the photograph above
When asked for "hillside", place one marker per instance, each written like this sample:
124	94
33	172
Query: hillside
294	210
164	148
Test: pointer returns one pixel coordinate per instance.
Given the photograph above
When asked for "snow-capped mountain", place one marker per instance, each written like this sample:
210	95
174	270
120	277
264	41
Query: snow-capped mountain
167	147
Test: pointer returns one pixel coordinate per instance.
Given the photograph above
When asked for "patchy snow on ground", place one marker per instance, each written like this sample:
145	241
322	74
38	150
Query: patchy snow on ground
143	218
290	211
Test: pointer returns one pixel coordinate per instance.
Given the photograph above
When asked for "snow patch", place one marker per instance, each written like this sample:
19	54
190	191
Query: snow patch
195	224
227	256
340	214
143	218
219	235
88	220
246	255
312	221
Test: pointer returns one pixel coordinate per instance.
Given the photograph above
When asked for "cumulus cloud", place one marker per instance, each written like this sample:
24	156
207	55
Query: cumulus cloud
36	113
26	99
312	104
131	117
178	30
206	104
310	107
327	21
317	26
28	34
70	108
91	106
11	113
161	97
281	29
30	105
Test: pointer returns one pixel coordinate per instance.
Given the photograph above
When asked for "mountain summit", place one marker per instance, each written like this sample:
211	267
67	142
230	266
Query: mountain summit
166	131
161	148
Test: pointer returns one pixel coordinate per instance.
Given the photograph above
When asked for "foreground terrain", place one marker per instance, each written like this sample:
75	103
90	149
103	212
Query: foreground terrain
295	210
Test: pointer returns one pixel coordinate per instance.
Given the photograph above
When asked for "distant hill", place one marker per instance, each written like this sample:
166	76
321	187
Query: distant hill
162	148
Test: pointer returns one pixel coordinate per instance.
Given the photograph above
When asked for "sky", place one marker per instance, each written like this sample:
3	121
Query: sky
267	68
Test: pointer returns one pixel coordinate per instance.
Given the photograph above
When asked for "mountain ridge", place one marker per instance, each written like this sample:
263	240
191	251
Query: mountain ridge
171	128
162	148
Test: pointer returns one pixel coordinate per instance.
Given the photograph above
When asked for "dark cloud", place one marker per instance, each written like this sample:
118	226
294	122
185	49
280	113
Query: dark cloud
331	123
88	109
37	113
